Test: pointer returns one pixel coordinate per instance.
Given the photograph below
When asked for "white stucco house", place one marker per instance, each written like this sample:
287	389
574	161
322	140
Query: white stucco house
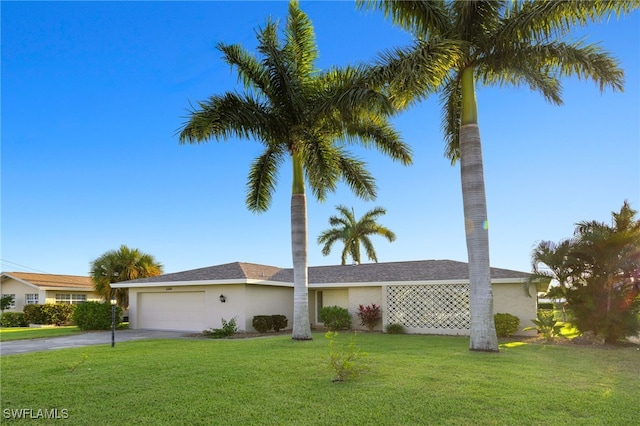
427	297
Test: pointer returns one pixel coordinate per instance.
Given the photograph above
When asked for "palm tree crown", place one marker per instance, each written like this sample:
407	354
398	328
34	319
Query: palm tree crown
353	232
494	43
303	114
123	264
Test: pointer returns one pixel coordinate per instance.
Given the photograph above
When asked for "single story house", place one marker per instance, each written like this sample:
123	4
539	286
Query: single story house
38	289
427	297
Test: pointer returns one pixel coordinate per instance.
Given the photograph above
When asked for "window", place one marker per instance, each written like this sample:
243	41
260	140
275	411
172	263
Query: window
70	299
13	300
31	299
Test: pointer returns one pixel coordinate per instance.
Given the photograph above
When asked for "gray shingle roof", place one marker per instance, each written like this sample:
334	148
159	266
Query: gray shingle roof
420	270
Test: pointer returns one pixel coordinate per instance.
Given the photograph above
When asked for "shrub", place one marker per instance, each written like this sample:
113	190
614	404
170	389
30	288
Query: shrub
13	319
95	316
262	323
369	315
58	314
506	324
395	328
280	322
33	314
345	363
335	318
228	329
546	325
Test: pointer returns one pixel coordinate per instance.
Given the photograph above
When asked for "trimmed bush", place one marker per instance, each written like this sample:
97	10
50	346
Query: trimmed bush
506	324
263	323
95	316
280	322
335	318
33	314
58	314
395	328
13	319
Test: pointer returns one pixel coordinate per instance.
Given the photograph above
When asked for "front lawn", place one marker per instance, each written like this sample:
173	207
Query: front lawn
20	333
414	380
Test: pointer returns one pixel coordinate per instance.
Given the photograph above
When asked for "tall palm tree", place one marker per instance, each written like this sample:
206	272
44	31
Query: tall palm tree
305	115
123	264
461	43
353	232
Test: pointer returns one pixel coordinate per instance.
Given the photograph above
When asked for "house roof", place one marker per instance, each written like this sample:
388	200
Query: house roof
421	270
51	281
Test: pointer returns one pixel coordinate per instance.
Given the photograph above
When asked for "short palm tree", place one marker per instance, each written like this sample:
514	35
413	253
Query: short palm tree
123	264
354	232
494	43
302	114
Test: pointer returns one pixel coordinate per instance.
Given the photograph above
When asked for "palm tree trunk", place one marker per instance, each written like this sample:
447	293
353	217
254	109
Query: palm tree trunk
483	332
301	325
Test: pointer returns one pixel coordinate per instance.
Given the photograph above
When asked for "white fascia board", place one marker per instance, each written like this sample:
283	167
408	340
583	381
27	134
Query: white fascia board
198	283
431	282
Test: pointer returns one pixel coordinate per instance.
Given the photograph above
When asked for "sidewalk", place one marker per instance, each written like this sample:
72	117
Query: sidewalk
84	339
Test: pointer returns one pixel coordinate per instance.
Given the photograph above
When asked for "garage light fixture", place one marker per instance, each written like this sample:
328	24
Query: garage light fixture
222	298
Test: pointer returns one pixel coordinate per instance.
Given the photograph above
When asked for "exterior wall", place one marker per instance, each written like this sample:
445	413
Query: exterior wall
330	297
363	296
241	301
263	300
244	301
11	286
510	299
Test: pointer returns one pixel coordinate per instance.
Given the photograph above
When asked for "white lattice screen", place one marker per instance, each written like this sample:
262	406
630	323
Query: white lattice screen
439	306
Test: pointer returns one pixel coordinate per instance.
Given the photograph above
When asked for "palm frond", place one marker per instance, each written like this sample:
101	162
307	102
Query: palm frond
451	104
301	41
250	71
355	174
410	74
544	19
263	178
418	17
222	117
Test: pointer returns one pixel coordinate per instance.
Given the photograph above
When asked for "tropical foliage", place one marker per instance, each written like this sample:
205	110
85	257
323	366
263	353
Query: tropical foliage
302	115
494	43
354	232
123	264
598	273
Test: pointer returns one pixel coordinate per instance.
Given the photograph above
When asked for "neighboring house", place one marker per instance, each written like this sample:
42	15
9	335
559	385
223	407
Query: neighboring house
38	289
429	297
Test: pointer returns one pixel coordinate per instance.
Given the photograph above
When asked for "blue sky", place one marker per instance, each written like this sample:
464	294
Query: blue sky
93	93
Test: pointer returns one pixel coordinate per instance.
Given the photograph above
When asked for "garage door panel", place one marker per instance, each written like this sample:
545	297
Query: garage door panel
183	311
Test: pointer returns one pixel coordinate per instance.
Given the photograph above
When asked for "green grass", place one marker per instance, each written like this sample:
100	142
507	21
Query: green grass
21	333
414	380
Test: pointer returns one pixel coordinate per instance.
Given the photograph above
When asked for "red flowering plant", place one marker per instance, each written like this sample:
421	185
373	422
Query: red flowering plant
369	315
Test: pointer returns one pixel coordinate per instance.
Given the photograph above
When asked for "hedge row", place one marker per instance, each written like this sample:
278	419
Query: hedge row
49	314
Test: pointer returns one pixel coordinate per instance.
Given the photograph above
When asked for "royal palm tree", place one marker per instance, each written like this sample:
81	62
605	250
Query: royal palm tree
299	113
354	232
493	43
123	264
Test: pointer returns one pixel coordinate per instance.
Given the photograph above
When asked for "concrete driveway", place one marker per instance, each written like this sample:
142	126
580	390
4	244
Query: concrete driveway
84	339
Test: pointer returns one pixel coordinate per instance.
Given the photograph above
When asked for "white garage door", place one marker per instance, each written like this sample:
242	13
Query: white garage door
182	311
